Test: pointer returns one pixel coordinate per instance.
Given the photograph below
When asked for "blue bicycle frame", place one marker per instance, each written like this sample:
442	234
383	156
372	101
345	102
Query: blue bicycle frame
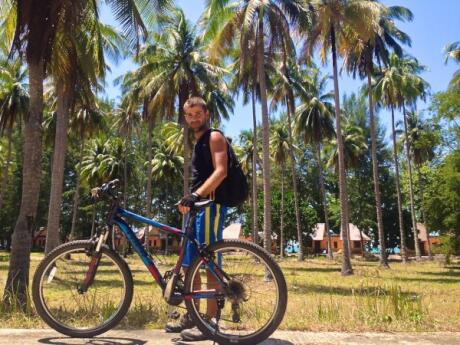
148	261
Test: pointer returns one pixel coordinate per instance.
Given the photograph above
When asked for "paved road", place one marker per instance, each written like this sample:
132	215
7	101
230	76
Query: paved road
158	337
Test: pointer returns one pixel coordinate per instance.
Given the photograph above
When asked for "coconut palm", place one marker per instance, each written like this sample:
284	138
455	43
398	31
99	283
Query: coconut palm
76	64
249	159
412	87
14	102
334	23
279	147
127	121
387	86
453	52
287	82
86	120
34	35
103	161
359	59
177	69
314	123
422	137
268	22
245	80
355	145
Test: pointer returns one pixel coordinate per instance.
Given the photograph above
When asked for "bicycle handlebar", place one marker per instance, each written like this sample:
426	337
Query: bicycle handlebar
106	188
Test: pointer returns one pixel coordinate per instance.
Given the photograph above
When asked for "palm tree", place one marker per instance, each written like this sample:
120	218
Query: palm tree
412	88
34	34
423	137
453	52
177	69
266	22
280	146
333	22
103	161
245	80
127	121
360	59
77	63
86	120
283	92
315	124
386	87
249	159
355	145
14	102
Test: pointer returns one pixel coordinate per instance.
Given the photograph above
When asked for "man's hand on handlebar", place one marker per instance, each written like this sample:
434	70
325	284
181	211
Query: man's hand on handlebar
187	202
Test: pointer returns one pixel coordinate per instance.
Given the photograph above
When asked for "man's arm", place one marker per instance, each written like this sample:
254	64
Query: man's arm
218	146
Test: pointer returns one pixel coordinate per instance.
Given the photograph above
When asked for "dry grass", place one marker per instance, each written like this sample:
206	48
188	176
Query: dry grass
412	297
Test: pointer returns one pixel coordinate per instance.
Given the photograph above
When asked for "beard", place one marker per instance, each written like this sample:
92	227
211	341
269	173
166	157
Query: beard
202	127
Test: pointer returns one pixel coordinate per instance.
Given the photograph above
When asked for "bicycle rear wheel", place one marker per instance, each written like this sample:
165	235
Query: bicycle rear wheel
253	304
58	301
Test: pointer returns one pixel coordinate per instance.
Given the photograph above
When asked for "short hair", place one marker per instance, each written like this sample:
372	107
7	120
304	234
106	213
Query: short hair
194	101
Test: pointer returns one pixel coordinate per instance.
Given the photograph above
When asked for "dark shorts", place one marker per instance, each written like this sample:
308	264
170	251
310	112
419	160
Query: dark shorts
208	227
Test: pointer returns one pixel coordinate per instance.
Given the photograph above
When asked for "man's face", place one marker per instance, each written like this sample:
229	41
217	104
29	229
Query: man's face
197	117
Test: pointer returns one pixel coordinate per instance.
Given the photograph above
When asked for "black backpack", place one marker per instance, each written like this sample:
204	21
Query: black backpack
234	190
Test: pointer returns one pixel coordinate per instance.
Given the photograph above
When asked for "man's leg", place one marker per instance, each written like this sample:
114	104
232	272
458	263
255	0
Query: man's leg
209	231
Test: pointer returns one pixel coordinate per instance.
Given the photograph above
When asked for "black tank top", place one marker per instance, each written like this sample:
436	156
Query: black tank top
202	168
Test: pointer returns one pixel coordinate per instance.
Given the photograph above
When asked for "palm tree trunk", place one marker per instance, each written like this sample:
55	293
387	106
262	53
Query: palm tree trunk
346	262
4	185
76	198
183	94
18	272
422	209
57	176
125	175
375	173
265	138
324	200
282	214
398	191
290	114
418	255
148	206
255	225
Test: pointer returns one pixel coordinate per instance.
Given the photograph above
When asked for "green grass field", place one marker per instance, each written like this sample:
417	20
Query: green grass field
413	297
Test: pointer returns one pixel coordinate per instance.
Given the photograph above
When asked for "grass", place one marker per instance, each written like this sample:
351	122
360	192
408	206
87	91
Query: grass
413	297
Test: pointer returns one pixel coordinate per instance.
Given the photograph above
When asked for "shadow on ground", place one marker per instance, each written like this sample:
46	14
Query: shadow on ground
93	341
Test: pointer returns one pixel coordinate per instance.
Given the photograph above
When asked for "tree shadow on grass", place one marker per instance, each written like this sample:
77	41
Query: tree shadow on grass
290	270
429	280
303	288
442	274
92	341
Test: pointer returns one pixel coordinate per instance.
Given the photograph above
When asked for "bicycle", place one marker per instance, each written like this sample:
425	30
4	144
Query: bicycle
84	288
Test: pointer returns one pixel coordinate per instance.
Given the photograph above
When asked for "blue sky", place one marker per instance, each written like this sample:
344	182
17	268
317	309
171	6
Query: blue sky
435	24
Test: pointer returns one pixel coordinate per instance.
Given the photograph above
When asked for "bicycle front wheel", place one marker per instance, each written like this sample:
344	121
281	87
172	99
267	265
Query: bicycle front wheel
253	303
60	301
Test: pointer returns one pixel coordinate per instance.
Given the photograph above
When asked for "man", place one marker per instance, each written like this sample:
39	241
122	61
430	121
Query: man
209	170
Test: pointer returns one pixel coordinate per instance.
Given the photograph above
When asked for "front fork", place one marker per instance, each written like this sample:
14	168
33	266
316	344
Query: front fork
94	263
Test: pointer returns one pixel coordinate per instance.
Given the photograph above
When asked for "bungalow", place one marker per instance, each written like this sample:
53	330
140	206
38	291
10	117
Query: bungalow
156	239
319	239
425	242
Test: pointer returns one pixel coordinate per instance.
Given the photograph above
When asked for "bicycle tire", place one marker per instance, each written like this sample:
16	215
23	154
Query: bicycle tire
73	249
279	281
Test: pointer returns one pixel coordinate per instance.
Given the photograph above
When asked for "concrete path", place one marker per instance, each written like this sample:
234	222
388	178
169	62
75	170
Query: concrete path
158	337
